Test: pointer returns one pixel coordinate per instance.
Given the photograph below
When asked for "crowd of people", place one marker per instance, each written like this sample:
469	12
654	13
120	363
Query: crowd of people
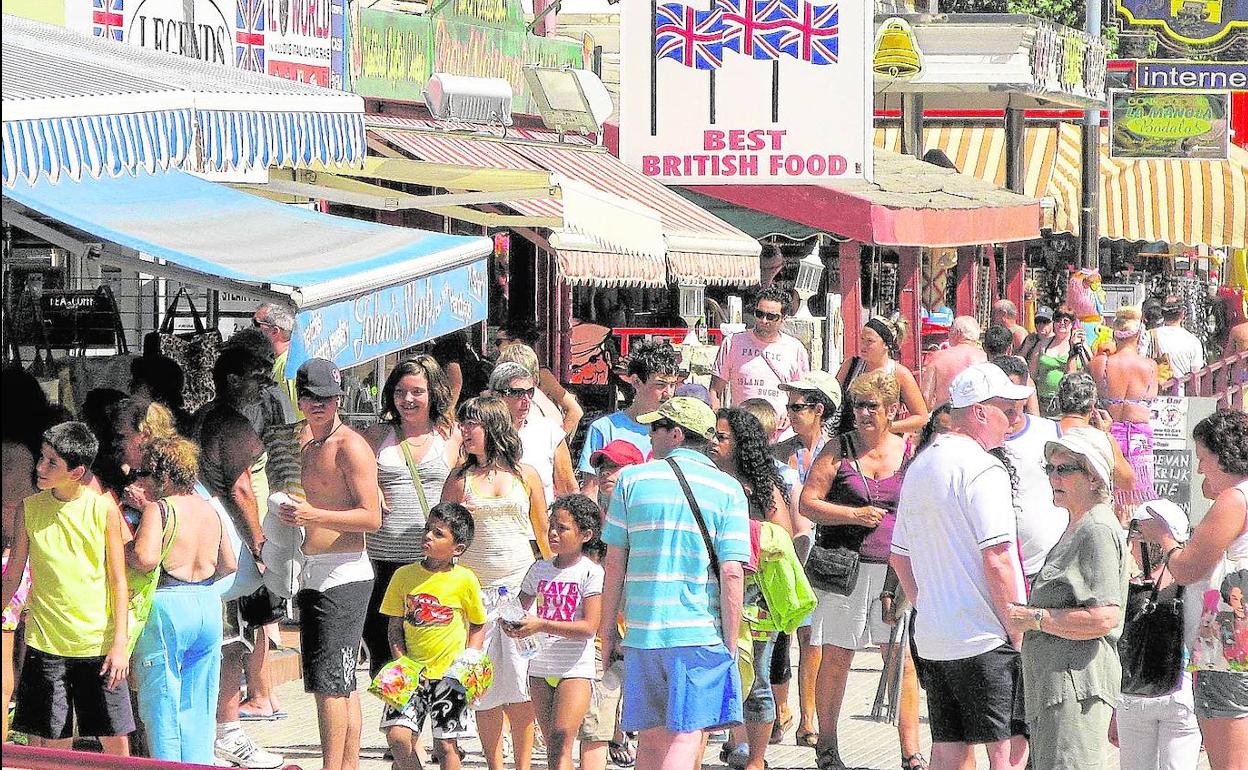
984	526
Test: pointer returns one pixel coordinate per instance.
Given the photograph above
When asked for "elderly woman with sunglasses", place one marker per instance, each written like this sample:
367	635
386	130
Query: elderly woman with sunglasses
1074	616
853	500
879	346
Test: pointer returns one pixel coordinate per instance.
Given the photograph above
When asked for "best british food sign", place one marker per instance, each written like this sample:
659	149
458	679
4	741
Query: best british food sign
746	91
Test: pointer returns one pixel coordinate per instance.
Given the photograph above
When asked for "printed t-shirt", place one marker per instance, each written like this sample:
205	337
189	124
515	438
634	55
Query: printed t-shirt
560	595
70	613
436	608
670	600
608	428
755	369
955	502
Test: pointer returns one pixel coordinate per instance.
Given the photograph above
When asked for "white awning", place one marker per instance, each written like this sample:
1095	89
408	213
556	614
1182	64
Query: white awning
77	104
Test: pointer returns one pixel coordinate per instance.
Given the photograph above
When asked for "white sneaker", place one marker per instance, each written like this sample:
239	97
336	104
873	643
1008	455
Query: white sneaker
237	748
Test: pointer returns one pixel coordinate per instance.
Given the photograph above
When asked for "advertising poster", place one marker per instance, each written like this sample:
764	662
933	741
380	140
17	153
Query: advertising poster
1169	124
746	91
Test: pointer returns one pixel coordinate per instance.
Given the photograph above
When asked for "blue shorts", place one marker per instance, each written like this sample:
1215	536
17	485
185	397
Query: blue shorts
680	689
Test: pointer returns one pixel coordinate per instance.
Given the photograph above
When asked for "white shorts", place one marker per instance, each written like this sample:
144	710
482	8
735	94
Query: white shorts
511	670
852	622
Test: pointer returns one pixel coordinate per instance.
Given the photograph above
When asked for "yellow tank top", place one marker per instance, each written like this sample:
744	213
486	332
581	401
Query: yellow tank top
70	612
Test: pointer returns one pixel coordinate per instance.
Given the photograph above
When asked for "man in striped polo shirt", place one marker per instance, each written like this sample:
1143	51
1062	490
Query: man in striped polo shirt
681	617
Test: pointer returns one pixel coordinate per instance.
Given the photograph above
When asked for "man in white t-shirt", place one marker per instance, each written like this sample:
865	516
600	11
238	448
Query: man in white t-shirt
1184	349
955	552
755	363
541	439
1040	522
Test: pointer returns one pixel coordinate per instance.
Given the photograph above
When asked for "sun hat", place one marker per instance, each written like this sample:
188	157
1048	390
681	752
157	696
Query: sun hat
1093	446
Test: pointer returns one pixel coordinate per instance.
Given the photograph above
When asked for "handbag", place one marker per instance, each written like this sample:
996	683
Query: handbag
1151	645
195	351
143	584
835	567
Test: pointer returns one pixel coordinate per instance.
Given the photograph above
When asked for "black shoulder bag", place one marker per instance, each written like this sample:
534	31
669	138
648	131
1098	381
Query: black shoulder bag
697	515
836	557
1151	646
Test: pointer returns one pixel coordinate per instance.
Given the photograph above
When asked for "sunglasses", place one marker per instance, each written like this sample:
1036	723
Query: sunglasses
763	315
663	424
518	392
795	408
866	406
1063	469
256	323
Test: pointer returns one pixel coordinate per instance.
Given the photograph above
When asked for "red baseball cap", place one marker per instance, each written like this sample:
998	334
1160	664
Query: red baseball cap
618	452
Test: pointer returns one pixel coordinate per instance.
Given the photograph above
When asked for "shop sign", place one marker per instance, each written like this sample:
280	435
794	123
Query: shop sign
1070	61
1168	419
388	320
292	39
897	54
392	55
1176	75
1195	22
1169	124
746	91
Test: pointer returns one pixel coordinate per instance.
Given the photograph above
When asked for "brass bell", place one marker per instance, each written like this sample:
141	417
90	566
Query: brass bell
895	53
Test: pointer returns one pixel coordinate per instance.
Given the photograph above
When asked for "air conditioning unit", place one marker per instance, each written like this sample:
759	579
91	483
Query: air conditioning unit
486	101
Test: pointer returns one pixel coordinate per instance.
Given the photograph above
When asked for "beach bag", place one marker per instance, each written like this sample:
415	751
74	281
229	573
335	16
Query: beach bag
1151	645
195	351
143	584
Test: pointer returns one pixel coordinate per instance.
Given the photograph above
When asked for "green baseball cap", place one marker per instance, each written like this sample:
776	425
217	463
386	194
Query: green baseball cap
823	382
690	413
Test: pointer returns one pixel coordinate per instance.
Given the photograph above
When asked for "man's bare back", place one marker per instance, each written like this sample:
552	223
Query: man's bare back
1238	342
333	472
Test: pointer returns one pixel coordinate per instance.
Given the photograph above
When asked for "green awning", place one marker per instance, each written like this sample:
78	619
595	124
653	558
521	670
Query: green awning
754	223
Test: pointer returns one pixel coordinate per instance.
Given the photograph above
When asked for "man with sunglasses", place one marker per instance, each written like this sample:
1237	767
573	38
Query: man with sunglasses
955	552
755	363
680	676
541	438
278	324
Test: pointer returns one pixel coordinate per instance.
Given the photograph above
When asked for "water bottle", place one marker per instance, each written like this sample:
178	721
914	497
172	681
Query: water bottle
510	611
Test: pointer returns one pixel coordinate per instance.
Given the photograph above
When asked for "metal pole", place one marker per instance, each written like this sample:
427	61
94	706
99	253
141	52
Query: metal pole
1015	138
912	124
1089	199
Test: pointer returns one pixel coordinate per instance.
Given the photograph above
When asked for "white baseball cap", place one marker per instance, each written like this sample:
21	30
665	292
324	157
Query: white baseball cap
982	382
1170	514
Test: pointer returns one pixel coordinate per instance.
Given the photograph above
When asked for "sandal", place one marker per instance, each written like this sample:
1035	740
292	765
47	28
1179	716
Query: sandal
779	729
809	739
621	753
915	761
829	758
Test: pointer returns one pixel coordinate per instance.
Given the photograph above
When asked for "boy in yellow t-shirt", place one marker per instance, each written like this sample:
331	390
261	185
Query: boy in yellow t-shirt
77	625
435	614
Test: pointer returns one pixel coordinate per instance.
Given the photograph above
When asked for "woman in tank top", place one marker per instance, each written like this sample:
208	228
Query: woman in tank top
879	346
509	513
415	424
1215	562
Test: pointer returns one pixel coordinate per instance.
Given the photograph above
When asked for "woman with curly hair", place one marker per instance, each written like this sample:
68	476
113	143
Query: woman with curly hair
508	507
1216	556
853	501
740	449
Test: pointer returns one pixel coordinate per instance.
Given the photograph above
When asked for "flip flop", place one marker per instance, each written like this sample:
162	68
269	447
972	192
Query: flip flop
808	739
621	754
779	729
257	716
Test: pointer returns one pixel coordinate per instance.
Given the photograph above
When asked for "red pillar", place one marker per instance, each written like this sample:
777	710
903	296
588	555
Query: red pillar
968	264
1015	270
850	255
910	276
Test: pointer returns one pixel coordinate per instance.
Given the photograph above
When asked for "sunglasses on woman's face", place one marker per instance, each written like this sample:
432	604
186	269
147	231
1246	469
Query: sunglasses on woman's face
663	424
763	315
795	408
518	392
1062	469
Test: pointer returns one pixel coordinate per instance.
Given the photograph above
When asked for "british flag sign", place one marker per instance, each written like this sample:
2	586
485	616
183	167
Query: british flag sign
106	19
756	28
249	35
814	36
693	38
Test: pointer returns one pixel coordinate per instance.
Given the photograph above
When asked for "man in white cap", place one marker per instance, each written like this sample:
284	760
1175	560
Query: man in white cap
955	552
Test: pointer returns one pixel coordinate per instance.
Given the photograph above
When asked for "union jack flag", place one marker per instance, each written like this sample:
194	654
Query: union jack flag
693	38
756	28
249	35
106	19
814	36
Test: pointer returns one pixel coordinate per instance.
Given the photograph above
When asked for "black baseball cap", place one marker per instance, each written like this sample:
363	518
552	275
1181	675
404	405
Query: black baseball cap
319	377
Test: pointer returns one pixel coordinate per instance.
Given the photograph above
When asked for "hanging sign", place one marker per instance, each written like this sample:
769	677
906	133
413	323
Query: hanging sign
1195	22
746	91
1169	124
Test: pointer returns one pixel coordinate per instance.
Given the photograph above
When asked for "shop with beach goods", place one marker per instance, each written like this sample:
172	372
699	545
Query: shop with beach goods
103	224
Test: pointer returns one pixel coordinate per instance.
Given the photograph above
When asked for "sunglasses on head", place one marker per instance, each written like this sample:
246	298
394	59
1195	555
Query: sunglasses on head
763	315
795	408
518	392
1062	469
663	424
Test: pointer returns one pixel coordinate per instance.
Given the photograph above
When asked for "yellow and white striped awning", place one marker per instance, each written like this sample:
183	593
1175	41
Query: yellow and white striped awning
1175	201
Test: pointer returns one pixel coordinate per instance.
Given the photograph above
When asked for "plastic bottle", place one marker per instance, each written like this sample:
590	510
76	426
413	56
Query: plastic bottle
510	611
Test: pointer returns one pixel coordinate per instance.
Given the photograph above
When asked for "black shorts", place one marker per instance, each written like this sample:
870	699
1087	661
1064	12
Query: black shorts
440	701
331	626
54	691
975	700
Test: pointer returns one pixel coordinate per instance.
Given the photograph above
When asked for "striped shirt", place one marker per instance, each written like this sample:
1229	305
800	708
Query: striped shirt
669	598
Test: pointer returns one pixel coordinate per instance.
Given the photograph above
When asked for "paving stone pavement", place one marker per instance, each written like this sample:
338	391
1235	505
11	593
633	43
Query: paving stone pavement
864	743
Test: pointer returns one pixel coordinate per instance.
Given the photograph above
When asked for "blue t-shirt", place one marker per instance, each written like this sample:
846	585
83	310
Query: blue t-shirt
608	428
670	599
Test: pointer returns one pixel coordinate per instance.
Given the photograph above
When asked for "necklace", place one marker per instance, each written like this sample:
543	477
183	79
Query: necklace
320	442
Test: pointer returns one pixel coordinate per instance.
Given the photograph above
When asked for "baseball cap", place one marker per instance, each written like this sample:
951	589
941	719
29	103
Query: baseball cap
687	412
1092	445
1170	513
982	382
319	377
1044	312
617	452
822	382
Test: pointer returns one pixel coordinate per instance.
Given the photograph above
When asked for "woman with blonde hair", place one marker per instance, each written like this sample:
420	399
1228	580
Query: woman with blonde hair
879	346
1127	382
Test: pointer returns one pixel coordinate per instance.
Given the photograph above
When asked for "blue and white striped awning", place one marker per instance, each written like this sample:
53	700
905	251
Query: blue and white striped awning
75	105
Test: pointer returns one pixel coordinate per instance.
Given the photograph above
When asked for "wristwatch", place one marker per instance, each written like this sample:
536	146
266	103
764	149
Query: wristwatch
1038	616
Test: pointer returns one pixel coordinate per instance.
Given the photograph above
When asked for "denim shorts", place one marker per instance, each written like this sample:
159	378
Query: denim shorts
760	703
1221	695
681	689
